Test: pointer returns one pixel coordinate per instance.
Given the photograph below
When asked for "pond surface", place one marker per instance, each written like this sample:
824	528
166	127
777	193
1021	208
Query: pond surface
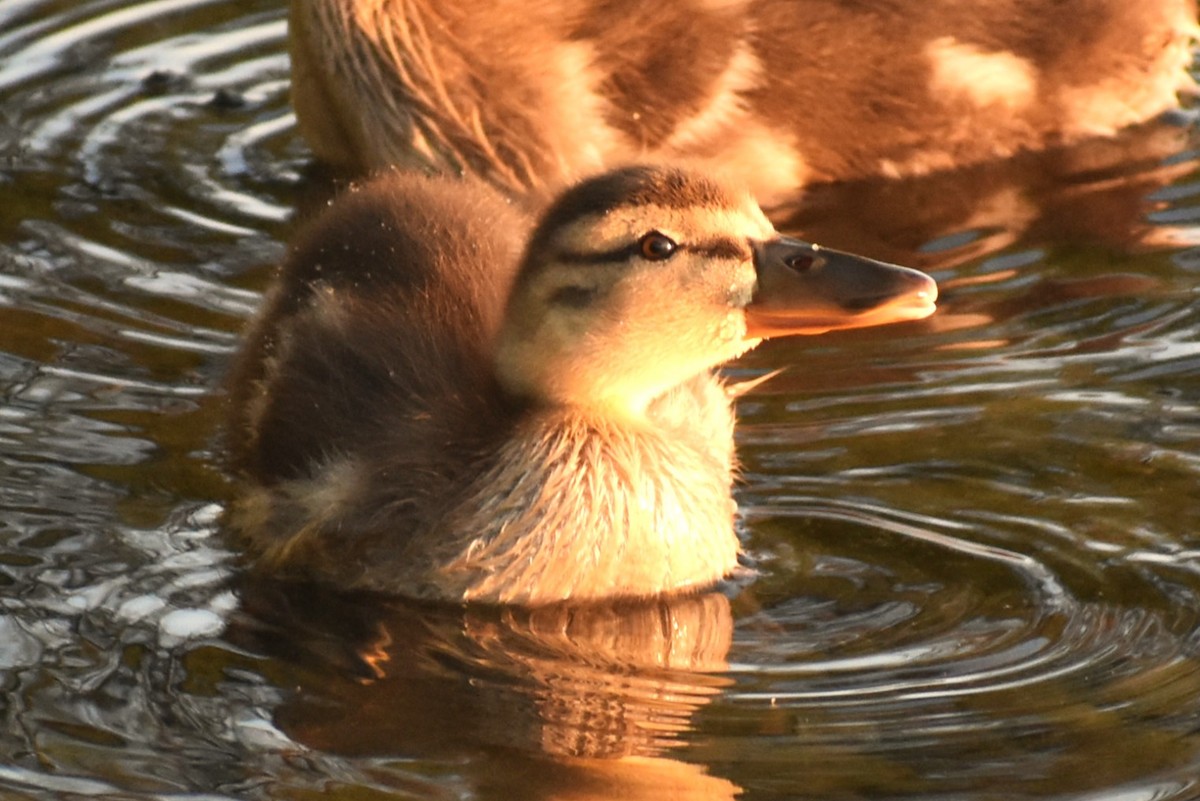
977	538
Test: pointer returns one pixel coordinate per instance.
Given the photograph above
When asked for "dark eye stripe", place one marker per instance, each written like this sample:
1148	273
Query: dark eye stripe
720	248
573	297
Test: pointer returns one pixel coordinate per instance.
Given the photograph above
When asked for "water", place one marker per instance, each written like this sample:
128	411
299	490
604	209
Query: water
976	537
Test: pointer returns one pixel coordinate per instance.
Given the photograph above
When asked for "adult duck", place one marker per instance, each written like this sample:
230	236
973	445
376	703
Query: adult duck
781	93
443	399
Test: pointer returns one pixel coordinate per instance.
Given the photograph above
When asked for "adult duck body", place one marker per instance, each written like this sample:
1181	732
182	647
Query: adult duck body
780	93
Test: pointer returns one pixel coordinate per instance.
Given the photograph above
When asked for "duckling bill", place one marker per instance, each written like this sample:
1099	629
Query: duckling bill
445	399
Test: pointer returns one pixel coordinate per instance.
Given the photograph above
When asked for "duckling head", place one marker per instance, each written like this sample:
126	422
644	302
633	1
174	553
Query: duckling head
637	280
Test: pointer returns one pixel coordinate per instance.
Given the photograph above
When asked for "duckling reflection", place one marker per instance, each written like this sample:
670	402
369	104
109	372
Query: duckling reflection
556	702
785	93
421	410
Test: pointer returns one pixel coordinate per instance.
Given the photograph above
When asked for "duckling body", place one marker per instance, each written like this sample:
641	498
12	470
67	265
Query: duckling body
443	400
780	92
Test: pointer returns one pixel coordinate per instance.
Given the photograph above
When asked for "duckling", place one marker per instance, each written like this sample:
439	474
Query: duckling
442	399
782	93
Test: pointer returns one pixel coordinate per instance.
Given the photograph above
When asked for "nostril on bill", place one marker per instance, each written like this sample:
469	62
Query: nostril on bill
801	262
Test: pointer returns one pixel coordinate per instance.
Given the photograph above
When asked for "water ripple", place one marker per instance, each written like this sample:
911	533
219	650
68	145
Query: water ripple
975	536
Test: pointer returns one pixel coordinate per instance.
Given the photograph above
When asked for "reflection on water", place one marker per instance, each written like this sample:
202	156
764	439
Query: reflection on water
978	572
585	686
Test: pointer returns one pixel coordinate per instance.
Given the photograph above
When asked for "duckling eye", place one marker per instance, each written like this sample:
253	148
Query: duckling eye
656	247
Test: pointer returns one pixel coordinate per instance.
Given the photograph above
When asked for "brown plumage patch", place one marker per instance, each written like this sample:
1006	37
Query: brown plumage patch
661	61
390	300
